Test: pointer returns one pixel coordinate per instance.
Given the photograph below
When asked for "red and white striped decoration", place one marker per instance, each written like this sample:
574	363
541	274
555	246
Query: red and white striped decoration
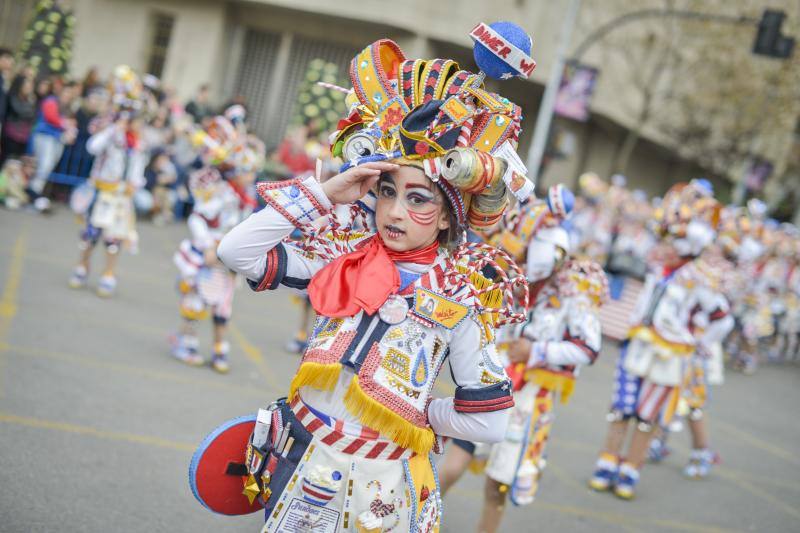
464	134
360	446
331	240
653	397
333	87
615	314
474	256
432	167
316	494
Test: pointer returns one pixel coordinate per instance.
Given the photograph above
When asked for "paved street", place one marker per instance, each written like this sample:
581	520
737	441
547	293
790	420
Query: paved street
98	422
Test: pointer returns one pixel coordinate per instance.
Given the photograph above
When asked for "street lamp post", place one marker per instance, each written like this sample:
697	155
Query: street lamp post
545	116
769	25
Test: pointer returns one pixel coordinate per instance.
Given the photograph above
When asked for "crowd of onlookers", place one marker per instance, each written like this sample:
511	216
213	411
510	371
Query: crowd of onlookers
45	122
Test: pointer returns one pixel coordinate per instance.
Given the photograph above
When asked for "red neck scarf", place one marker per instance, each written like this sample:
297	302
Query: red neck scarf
131	140
362	279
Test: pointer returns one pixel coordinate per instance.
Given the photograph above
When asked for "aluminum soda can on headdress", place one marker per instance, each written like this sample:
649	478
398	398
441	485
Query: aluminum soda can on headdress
439	118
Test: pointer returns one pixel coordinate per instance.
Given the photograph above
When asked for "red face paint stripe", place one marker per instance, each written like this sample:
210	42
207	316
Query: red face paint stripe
424	219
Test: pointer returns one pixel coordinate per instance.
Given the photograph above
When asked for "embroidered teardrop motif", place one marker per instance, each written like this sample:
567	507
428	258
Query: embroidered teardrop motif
419	375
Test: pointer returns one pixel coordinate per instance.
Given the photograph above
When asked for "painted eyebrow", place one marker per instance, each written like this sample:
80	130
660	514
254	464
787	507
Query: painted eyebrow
385	177
418	186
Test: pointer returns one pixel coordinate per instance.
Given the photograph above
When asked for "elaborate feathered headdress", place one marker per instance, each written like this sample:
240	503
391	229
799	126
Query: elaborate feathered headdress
440	118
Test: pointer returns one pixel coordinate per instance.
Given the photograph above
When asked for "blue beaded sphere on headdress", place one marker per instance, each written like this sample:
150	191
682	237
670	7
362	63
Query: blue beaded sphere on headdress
493	66
560	201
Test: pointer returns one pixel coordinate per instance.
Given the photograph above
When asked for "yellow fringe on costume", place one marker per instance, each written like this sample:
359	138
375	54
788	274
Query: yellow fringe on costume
107	186
192	314
490	299
560	383
477	466
647	334
315	375
184	287
377	416
369	412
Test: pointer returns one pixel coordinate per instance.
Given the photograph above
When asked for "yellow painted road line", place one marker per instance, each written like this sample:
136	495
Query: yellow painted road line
757	442
65	427
643	523
779	483
617	519
66	266
564	477
96	362
578	446
757	491
255	355
8	302
125	325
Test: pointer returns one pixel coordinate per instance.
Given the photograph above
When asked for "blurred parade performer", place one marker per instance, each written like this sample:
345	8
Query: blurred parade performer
352	444
221	200
117	173
787	344
562	334
751	295
735	247
655	360
776	276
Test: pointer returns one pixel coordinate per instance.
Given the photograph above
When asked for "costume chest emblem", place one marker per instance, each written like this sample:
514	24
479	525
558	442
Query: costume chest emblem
437	309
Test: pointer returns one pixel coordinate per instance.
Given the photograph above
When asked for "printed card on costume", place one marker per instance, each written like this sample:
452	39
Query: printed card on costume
438	309
304	516
514	178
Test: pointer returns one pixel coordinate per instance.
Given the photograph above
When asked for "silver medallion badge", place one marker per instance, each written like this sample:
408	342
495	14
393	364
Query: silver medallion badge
394	310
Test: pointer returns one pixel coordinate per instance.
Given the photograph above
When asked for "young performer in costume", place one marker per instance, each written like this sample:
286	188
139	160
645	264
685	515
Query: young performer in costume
751	296
349	449
561	335
117	172
735	247
787	343
221	200
656	357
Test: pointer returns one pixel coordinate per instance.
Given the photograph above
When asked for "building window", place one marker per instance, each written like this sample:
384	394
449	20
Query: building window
162	32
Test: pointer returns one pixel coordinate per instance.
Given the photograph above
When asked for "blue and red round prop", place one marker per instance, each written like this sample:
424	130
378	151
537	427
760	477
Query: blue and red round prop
218	470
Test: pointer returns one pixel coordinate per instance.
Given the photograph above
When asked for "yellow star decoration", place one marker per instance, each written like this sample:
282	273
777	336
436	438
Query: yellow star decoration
251	489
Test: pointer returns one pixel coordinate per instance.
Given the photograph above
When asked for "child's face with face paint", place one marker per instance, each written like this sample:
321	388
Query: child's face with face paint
410	211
